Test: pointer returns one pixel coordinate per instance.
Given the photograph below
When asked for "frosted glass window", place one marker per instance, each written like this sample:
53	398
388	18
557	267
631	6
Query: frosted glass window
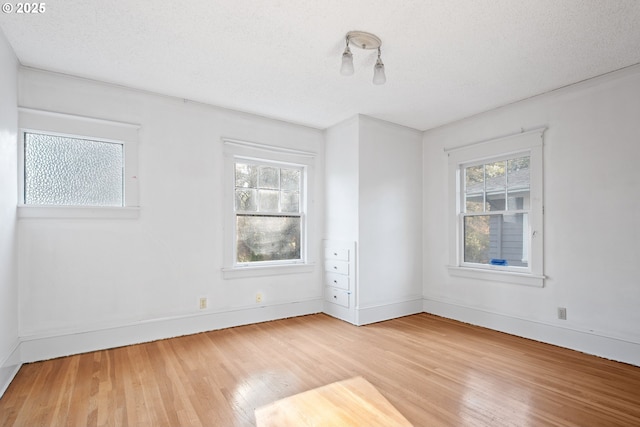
60	170
246	175
267	188
246	199
269	177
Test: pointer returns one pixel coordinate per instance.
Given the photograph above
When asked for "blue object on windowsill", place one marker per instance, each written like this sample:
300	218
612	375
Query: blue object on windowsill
496	261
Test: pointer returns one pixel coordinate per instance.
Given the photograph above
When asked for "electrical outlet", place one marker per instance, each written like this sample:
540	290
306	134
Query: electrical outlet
258	297
203	303
562	313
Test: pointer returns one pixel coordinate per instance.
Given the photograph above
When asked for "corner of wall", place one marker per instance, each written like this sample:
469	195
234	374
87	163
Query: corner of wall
392	310
9	344
9	366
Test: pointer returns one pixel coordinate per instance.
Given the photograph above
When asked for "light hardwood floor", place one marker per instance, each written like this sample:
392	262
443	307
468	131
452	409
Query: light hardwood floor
435	371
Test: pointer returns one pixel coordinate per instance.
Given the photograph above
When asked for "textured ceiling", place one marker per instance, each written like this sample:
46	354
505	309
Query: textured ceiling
445	59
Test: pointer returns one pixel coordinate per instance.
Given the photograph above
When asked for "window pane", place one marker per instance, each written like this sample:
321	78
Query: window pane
268	200
290	179
518	179
474	188
496	202
474	203
246	175
496	185
76	172
246	200
497	239
476	239
269	177
518	203
518	171
267	238
290	201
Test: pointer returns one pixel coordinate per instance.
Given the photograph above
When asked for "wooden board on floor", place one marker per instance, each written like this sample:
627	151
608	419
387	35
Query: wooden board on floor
353	402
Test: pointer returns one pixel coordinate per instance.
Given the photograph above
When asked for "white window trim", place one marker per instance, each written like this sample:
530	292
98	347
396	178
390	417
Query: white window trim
47	122
530	142
235	150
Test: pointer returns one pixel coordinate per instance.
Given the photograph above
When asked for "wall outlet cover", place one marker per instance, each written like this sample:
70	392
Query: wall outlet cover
562	313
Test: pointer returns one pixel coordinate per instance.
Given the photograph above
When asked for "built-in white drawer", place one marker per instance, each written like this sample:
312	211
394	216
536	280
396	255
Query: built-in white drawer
336	280
339	254
341	267
337	296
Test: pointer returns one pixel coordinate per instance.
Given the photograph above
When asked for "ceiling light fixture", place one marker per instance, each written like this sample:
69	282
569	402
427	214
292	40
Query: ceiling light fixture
363	40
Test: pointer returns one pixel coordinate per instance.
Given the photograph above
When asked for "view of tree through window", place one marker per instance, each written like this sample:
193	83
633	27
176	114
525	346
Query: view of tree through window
268	212
496	209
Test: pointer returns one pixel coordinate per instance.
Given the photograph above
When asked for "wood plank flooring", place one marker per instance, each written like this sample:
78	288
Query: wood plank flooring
436	372
344	403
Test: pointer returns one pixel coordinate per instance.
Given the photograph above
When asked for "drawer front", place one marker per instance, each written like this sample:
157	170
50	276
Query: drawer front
336	280
340	267
337	296
336	254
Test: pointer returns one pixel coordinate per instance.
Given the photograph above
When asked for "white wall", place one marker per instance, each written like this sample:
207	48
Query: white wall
78	276
374	197
341	180
592	237
390	228
9	358
87	284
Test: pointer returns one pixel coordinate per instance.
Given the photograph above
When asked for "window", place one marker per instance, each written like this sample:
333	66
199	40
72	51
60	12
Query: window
496	209
495	212
76	167
267	209
269	221
61	170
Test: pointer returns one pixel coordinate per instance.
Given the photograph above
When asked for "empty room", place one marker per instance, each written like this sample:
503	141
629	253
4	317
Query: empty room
305	213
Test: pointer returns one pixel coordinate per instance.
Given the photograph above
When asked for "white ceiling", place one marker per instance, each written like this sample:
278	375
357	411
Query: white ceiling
444	59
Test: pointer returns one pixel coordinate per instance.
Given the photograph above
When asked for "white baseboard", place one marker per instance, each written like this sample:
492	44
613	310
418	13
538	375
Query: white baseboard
9	366
379	313
339	312
36	348
584	341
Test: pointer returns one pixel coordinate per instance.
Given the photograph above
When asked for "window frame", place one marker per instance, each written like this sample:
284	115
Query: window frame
80	127
236	151
483	152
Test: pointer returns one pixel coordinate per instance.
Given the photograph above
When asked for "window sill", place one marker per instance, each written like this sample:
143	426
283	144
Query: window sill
515	278
77	212
261	271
